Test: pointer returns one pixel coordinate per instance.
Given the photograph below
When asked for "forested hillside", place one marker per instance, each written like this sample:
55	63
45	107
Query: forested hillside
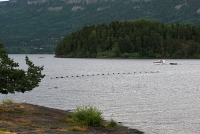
127	39
37	26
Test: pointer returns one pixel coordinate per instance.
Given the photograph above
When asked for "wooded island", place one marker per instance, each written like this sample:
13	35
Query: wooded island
132	39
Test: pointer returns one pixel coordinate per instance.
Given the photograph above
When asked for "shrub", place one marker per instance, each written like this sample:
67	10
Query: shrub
134	55
89	116
125	55
112	123
7	101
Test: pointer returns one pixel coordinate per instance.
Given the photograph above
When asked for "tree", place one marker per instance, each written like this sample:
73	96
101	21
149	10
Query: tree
116	50
13	79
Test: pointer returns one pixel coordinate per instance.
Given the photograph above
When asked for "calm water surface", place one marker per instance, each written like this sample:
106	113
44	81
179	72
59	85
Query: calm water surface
152	98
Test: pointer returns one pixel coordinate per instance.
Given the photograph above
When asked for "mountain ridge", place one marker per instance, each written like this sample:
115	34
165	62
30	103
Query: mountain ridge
28	25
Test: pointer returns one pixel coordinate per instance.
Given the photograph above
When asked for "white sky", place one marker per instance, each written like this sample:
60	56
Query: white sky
4	0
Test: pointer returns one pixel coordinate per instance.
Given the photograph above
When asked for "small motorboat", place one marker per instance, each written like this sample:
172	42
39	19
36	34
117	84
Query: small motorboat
173	63
159	62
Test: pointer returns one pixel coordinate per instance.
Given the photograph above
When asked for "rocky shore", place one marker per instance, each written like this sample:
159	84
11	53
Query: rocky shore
23	118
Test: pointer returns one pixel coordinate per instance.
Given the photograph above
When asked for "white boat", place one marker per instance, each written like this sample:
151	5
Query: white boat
159	62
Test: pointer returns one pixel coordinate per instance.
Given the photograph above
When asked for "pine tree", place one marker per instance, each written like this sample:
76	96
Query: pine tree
13	79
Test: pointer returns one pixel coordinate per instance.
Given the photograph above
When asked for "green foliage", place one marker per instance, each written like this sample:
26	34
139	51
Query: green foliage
36	26
132	39
3	130
7	101
112	123
78	129
89	116
14	79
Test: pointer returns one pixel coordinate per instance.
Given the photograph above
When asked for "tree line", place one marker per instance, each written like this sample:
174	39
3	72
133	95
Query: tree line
132	39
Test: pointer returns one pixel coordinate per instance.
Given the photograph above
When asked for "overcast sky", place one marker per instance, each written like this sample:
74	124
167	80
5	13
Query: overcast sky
4	0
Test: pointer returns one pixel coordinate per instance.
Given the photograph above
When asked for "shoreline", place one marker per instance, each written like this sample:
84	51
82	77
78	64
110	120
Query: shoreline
25	118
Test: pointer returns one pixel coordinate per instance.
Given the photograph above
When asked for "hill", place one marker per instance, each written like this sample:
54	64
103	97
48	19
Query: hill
132	39
37	26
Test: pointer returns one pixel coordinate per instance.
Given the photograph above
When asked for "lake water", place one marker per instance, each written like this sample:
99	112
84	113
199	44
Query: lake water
156	99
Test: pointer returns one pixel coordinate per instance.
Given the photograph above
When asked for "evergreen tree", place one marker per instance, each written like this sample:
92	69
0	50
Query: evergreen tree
148	39
13	79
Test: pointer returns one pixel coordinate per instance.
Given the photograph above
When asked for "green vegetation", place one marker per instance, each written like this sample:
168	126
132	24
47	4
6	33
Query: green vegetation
78	129
14	79
34	118
112	123
132	39
89	116
37	28
3	130
7	101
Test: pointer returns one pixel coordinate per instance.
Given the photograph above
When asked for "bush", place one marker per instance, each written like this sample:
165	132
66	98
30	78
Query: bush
134	55
7	101
112	123
126	55
89	116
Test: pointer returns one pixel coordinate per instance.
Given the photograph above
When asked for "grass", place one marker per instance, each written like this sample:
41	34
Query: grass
112	123
78	129
7	101
3	129
78	121
89	116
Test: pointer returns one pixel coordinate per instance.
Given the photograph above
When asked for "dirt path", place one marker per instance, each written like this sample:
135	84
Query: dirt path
23	118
